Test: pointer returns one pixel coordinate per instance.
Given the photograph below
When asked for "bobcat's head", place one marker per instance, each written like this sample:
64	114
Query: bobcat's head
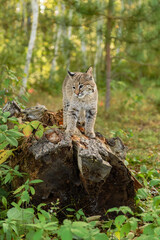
83	83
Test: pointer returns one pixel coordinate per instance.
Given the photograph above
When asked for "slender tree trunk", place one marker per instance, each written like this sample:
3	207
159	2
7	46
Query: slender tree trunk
108	55
35	12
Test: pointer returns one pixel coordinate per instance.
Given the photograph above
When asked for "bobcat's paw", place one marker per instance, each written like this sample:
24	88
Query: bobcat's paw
90	134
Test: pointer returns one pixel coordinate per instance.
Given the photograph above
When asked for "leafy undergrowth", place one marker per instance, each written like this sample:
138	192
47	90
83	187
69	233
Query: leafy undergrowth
21	220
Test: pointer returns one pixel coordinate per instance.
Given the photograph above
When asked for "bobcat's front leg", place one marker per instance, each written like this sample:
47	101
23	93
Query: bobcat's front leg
65	110
72	118
90	121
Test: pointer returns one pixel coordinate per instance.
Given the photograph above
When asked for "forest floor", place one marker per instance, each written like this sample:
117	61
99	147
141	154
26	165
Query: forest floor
134	116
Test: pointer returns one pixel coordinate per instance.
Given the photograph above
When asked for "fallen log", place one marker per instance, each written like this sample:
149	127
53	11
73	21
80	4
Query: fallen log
80	172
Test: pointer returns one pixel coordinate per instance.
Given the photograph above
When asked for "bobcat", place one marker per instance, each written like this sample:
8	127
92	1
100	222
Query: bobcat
80	98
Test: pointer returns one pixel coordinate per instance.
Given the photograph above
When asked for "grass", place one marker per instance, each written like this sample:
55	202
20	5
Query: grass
134	116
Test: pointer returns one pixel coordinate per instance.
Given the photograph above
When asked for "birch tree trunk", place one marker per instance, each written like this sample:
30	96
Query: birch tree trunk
35	12
108	54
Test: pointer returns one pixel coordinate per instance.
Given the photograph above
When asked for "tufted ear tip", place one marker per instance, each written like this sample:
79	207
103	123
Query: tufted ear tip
90	71
71	73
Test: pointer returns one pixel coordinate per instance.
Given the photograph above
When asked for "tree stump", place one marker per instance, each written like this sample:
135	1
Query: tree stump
81	172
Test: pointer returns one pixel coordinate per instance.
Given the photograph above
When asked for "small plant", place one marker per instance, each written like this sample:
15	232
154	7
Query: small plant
24	191
34	127
7	173
10	86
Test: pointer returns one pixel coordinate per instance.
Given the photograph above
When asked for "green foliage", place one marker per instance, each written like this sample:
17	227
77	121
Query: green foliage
18	221
10	86
8	136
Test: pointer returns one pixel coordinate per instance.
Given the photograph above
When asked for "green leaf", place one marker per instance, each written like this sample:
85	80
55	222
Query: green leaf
2	137
154	182
126	210
3	127
4	202
147	217
125	229
52	226
142	193
13	120
6	114
149	229
12	141
27	130
36	181
70	209
19	189
25	197
8	178
65	233
120	220
32	190
156	201
14	228
115	209
3	145
40	205
41	217
133	222
14	133
35	124
157	231
80	231
38	235
39	133
101	236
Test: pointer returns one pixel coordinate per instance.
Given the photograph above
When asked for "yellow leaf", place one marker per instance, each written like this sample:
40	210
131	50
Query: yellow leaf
117	234
27	130
4	155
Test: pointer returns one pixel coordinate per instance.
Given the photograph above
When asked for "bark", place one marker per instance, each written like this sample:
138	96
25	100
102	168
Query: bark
79	171
35	12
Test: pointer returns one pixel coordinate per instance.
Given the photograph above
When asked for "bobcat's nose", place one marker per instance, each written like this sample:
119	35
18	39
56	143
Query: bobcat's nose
76	92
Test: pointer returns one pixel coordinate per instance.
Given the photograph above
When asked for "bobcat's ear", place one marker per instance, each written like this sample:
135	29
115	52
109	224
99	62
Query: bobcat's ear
90	71
71	74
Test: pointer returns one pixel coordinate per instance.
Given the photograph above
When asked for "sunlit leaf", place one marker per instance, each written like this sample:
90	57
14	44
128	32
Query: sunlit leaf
27	130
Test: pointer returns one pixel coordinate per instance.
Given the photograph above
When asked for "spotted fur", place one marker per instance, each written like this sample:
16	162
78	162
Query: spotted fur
80	98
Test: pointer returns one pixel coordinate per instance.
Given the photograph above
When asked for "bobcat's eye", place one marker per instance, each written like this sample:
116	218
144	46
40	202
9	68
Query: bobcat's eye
80	86
73	87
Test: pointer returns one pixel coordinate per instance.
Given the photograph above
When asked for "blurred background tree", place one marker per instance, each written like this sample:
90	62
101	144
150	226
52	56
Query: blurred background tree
119	38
